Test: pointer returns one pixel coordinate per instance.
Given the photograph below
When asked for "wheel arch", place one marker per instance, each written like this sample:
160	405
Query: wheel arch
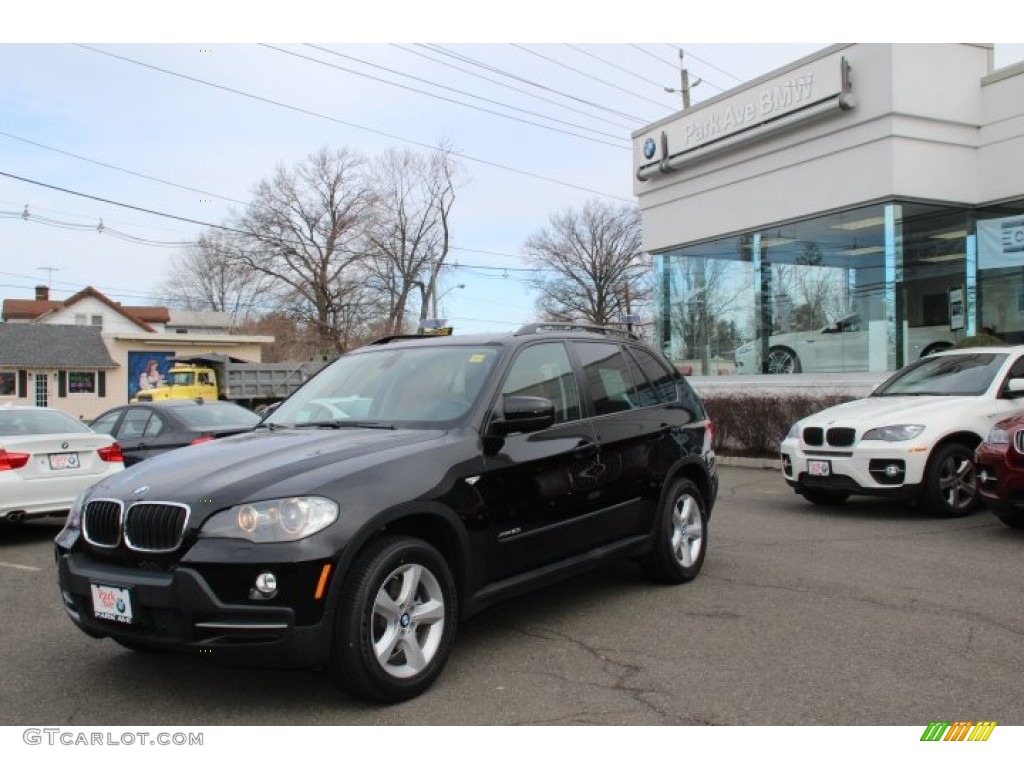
695	471
936	346
432	523
965	436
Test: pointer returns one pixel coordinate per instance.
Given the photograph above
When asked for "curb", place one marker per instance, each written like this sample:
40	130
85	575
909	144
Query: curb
749	463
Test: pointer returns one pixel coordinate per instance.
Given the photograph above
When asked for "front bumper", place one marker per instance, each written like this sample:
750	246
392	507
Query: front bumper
1000	477
875	469
177	609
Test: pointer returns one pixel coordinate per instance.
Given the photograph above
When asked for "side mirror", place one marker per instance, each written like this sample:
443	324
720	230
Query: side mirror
523	414
1014	388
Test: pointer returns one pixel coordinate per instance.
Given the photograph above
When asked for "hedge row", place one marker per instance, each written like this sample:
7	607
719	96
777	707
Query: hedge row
754	425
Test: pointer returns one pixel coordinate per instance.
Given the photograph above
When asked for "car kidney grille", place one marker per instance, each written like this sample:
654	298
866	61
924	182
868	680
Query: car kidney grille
841	436
101	523
813	436
154	527
1018	440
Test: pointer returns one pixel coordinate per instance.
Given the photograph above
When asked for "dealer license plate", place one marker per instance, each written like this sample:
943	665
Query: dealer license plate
64	461
112	603
819	468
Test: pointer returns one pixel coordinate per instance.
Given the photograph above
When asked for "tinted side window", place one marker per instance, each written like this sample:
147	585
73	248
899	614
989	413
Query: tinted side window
659	385
543	370
106	423
690	401
134	423
609	379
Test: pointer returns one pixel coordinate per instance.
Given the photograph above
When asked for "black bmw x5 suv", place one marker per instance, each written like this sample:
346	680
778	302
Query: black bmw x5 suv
410	484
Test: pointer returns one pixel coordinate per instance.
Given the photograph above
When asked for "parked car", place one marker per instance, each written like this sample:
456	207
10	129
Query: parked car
1000	465
146	430
914	437
409	484
841	346
47	458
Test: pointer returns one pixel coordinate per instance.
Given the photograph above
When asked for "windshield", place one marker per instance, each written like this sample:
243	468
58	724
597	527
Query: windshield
180	378
216	415
28	422
419	384
964	374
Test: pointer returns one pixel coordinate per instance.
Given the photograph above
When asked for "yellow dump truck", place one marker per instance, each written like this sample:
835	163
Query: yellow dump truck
219	377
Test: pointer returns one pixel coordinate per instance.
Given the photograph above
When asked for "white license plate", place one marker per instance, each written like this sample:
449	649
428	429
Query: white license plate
112	603
819	468
64	461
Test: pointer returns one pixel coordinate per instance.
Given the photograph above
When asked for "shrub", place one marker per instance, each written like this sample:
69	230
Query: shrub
755	424
981	340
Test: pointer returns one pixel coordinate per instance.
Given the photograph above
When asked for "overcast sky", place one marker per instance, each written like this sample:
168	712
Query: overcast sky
138	122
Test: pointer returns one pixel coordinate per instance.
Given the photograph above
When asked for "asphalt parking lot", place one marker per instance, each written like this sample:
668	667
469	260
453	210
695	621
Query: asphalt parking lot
866	614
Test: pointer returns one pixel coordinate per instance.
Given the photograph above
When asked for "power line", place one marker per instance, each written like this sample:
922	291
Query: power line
539	86
612	64
453	90
587	75
706	63
118	168
511	87
350	124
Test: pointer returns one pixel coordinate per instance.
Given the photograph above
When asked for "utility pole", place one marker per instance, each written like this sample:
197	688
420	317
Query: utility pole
684	82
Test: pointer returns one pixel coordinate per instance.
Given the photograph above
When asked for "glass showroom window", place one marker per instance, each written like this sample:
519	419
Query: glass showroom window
706	302
81	382
1000	272
807	296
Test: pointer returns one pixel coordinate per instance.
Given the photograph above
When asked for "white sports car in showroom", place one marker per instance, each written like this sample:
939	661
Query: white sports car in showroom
841	346
47	459
914	437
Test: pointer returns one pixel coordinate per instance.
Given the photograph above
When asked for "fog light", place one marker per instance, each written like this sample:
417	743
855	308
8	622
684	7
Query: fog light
894	470
266	584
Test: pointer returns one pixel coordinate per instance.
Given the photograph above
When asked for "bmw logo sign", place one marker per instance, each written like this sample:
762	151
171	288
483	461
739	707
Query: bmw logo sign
142	490
650	147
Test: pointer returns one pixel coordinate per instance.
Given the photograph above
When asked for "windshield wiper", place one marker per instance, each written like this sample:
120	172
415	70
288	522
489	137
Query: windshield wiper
345	424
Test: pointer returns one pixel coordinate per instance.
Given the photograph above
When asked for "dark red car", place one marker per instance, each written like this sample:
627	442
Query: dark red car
999	463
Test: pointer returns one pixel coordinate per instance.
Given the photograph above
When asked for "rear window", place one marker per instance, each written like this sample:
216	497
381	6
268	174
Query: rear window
20	423
202	416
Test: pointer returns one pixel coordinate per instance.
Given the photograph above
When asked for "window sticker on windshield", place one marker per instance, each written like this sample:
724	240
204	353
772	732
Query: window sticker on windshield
477	358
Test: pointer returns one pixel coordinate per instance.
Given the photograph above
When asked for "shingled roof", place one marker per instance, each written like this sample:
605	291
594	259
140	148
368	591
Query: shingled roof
34	309
29	345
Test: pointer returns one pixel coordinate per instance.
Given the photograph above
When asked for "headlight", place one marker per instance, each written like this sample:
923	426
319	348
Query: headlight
794	431
894	433
74	519
998	436
274	520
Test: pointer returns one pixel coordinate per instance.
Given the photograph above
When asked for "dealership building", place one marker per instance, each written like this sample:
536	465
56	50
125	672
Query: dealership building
850	211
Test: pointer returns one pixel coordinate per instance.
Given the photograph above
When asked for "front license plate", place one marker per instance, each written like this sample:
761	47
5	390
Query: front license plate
63	461
819	468
112	603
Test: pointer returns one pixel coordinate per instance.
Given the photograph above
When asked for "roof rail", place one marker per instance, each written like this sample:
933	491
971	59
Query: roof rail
399	337
600	329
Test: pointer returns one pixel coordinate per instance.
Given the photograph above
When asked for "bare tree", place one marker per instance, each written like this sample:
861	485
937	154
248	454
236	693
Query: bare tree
593	265
306	229
410	227
207	276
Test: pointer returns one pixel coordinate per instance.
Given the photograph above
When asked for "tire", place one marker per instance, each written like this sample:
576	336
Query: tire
950	482
1012	518
396	621
825	497
681	536
782	360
